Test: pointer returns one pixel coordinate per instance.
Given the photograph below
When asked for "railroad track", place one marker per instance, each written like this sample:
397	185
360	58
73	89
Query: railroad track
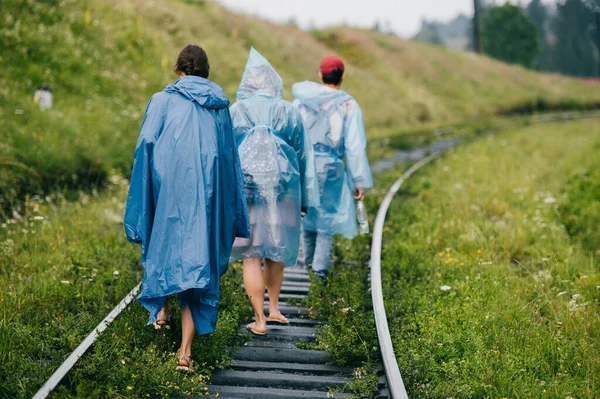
272	366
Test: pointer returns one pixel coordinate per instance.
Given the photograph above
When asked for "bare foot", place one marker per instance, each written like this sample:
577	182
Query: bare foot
256	328
278	317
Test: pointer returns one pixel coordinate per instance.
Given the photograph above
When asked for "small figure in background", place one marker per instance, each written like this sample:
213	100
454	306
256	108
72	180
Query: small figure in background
43	97
334	122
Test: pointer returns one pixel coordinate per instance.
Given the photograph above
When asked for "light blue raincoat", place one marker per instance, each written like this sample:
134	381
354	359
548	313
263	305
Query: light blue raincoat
278	163
334	122
185	204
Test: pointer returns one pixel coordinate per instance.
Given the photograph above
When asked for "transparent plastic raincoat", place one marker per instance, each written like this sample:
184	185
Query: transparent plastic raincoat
334	122
186	204
278	164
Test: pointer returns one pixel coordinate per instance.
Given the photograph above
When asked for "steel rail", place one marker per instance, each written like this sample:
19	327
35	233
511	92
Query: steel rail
85	344
395	383
392	371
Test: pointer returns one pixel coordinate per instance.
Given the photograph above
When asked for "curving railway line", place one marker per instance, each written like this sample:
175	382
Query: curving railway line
273	366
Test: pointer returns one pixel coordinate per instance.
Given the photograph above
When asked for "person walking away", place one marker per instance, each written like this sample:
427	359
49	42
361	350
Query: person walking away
186	203
279	178
335	125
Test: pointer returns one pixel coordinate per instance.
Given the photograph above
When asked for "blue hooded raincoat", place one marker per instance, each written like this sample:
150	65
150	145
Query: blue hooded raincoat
334	122
278	164
185	204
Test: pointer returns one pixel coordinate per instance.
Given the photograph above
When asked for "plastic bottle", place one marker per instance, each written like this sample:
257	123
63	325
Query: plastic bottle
361	216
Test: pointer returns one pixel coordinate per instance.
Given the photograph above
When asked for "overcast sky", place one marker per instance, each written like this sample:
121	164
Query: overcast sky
404	15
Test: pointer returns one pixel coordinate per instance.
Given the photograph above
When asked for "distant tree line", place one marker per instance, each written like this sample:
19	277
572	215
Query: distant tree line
562	37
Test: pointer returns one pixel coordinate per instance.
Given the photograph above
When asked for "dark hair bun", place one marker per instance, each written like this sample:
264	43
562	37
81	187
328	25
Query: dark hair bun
192	60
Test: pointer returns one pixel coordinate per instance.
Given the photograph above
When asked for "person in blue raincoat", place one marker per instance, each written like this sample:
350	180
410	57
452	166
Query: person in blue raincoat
335	125
186	203
279	179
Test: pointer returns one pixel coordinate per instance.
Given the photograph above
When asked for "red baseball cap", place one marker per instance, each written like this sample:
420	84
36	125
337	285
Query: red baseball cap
330	63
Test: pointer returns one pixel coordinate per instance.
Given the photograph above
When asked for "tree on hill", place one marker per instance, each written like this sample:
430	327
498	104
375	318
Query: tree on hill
429	33
509	35
576	48
538	13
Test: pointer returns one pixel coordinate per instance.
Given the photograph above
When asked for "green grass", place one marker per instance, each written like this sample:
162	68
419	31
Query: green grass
520	316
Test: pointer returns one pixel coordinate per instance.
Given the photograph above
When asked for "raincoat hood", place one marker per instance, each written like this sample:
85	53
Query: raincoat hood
260	79
203	91
313	95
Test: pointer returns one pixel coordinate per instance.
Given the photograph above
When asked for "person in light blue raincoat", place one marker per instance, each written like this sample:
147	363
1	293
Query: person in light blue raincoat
335	125
186	203
279	178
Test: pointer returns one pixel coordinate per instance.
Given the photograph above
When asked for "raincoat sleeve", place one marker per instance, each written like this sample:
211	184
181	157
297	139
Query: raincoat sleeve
139	212
241	123
306	161
356	145
242	223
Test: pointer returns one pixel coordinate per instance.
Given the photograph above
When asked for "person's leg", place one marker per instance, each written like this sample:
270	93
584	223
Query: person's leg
255	288
163	317
309	239
187	336
322	255
273	275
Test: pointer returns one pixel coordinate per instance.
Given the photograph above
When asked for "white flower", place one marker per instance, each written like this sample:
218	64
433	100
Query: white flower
122	361
445	288
486	263
8	248
116	273
65	282
561	293
38	218
344	310
575	296
549	200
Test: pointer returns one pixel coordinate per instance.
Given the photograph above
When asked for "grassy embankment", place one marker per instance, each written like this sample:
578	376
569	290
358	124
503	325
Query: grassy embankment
104	59
491	270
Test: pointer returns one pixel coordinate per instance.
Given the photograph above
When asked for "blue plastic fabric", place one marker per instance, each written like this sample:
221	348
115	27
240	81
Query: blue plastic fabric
334	122
278	164
186	204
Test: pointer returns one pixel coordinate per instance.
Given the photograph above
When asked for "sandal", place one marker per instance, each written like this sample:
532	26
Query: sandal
281	319
162	321
184	363
250	327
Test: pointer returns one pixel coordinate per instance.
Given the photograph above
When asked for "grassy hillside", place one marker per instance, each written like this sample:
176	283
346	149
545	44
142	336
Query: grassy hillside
105	58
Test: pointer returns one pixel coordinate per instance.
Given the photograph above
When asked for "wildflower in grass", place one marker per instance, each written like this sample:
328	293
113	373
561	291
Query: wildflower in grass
122	361
549	200
8	248
344	310
38	218
358	374
561	293
130	388
65	282
445	288
116	273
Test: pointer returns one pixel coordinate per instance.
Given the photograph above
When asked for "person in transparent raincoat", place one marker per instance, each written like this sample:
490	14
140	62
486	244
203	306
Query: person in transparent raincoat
186	204
279	178
334	122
